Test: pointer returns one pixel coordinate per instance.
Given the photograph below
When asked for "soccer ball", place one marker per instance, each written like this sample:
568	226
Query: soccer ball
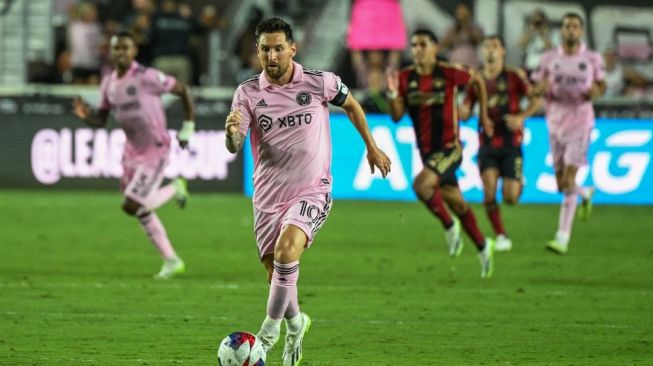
241	349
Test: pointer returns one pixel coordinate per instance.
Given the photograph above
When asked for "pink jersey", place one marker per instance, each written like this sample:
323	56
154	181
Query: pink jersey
135	100
290	134
569	112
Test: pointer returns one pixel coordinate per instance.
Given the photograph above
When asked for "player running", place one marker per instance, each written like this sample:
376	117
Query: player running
501	154
428	90
134	92
570	76
285	108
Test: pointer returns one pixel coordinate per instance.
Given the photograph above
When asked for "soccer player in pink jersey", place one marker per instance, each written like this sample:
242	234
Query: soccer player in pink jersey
133	92
570	77
285	110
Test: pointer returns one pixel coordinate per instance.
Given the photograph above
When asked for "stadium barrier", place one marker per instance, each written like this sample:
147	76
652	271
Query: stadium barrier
620	162
45	146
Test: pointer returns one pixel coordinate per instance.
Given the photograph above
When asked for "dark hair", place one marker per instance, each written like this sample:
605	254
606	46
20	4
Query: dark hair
574	15
497	37
125	34
274	25
426	32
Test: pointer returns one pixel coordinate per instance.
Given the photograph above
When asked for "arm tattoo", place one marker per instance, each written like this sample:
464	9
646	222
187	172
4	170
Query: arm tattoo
235	142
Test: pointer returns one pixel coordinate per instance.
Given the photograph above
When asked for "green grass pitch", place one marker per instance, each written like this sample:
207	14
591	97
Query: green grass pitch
76	287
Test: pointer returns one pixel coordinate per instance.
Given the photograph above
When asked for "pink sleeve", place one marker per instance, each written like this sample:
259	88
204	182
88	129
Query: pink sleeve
239	103
335	91
104	90
541	72
156	82
599	67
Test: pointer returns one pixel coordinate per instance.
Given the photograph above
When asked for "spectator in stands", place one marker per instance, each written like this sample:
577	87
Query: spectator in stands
537	39
376	37
85	39
463	37
620	79
246	47
139	24
375	101
169	41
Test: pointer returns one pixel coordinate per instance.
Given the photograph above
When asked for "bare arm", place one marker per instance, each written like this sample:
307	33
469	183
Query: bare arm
188	127
183	92
396	103
375	156
465	110
598	89
516	121
235	138
84	112
478	82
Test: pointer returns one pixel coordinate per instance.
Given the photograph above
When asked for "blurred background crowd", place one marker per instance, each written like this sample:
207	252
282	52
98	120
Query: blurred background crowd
211	43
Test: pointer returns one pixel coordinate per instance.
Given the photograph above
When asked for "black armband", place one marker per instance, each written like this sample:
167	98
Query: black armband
341	97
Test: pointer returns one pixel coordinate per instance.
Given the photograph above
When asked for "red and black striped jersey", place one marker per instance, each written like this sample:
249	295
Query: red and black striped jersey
431	104
504	94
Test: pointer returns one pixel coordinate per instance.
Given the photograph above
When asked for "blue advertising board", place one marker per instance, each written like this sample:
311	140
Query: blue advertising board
619	162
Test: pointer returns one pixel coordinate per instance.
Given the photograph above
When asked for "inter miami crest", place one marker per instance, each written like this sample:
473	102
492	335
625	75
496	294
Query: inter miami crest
582	66
303	98
131	90
265	122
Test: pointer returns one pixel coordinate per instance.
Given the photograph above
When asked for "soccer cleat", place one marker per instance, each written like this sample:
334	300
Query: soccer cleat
454	241
585	209
556	247
267	340
502	243
292	351
181	191
486	257
171	267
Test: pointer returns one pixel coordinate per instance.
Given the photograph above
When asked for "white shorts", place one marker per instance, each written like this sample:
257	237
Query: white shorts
307	213
141	179
571	152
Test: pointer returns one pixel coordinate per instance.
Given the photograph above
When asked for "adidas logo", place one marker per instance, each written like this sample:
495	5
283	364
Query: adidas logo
261	103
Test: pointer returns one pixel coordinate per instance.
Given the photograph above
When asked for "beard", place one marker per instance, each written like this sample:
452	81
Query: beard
276	73
571	42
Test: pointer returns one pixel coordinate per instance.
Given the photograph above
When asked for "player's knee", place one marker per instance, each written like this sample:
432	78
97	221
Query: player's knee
510	199
422	190
286	251
459	207
130	208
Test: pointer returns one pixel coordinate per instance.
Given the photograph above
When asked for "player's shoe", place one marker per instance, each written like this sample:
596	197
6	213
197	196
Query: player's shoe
454	240
267	340
486	257
585	209
181	191
556	247
502	243
292	351
171	268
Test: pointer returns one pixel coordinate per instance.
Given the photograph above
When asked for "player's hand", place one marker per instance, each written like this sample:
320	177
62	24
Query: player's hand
81	109
377	158
234	119
488	125
392	82
464	111
541	88
185	133
515	122
594	92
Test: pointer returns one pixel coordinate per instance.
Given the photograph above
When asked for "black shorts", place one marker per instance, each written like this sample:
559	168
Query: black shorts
508	160
445	163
